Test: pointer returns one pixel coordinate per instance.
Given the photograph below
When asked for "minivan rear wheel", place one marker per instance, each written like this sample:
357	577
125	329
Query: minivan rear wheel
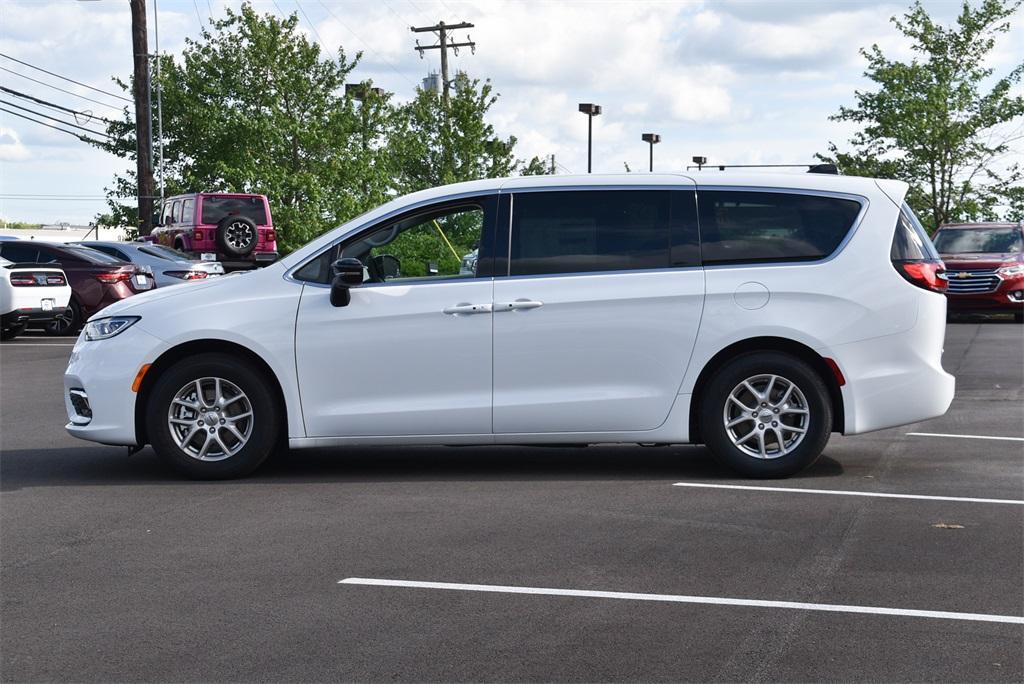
766	414
212	417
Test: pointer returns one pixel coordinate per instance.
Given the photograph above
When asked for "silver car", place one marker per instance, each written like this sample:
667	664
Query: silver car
169	266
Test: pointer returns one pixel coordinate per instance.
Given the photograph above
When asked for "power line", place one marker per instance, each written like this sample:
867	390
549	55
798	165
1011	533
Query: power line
87	114
315	32
441	29
198	17
35	80
56	128
53	118
365	44
70	80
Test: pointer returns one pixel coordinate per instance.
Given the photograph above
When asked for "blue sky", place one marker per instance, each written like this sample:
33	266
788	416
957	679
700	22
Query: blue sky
736	81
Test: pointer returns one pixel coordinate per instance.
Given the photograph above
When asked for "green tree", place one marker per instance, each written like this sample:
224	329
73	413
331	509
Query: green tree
431	147
253	106
942	121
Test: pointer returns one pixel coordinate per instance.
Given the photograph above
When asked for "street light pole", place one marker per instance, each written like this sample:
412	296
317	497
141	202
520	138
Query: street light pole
651	139
591	110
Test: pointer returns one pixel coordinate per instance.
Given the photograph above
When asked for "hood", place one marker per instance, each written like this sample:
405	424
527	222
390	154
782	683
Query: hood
979	261
207	289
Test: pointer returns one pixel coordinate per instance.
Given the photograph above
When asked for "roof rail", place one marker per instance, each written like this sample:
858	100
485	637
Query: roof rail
811	168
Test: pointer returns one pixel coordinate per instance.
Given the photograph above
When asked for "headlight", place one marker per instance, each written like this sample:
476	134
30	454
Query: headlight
105	328
1014	271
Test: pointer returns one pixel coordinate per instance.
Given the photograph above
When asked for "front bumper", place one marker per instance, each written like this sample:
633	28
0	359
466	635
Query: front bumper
101	373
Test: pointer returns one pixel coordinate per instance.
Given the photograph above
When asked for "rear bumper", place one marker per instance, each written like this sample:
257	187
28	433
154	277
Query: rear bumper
897	379
32	316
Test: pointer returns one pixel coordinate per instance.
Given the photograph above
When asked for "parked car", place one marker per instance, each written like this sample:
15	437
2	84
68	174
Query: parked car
96	279
985	267
805	305
237	228
169	266
30	293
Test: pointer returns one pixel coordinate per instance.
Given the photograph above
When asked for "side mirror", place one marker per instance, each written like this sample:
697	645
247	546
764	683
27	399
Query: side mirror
348	273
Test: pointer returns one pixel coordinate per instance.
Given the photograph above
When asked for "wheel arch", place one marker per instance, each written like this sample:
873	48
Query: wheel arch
186	349
777	344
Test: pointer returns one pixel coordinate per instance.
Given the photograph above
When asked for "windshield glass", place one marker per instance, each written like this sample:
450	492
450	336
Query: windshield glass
162	252
216	208
978	240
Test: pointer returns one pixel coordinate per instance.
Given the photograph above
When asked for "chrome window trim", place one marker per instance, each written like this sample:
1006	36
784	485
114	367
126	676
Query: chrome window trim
863	201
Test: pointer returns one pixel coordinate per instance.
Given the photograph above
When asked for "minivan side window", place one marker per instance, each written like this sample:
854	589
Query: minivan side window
738	226
582	231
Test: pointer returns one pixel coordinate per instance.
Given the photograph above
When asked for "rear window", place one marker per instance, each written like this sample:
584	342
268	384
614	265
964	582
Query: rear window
911	241
978	240
216	208
750	227
19	254
162	252
86	254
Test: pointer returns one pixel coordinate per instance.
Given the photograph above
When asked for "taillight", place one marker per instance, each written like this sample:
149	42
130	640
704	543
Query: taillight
55	280
187	275
271	236
931	275
23	279
197	235
113	276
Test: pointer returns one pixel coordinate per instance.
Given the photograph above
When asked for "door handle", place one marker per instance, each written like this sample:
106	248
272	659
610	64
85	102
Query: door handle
518	305
467	309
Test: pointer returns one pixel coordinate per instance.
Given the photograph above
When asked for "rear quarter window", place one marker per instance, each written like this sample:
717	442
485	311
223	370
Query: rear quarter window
763	227
910	242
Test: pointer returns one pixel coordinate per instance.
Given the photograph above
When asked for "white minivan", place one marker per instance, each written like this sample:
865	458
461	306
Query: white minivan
752	313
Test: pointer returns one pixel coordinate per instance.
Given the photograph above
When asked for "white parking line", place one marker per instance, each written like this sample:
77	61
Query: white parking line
674	598
841	492
939	434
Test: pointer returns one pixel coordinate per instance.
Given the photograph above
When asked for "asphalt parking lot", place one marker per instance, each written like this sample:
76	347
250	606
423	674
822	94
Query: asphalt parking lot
111	568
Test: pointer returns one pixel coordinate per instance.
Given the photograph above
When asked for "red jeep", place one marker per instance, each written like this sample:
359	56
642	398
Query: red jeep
984	266
236	228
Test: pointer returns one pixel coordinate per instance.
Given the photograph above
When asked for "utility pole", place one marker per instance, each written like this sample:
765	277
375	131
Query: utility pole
143	127
441	29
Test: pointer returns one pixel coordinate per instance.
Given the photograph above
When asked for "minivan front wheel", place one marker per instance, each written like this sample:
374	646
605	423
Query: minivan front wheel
766	414
212	416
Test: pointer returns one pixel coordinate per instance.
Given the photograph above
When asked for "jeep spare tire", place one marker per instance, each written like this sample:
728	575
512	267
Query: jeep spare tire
237	236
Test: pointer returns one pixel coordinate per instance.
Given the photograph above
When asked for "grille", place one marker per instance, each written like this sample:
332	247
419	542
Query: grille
975	282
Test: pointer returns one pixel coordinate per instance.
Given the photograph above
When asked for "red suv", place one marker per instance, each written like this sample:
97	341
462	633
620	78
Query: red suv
97	279
985	266
237	228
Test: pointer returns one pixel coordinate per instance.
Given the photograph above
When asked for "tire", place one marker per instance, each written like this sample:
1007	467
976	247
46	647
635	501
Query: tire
11	332
261	429
759	456
237	236
69	323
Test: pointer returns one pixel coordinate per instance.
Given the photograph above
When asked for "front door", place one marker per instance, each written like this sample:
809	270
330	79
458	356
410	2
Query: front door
594	325
409	355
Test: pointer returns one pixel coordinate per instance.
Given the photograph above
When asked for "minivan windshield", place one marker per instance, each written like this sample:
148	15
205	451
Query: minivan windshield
979	240
216	208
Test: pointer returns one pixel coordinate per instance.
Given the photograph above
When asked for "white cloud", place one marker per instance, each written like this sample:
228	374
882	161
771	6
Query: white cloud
740	81
11	148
